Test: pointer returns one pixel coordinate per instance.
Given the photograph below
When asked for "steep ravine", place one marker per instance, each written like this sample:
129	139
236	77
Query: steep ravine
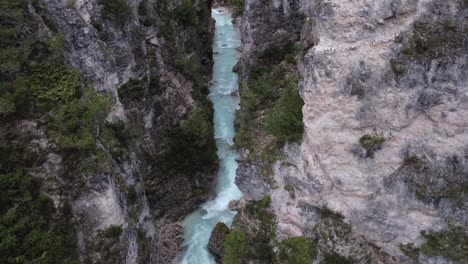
199	225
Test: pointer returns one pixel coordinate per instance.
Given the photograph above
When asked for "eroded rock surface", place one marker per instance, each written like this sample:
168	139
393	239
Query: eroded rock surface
391	69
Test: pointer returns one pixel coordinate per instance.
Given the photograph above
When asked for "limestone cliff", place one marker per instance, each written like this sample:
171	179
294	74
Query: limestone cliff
384	85
113	124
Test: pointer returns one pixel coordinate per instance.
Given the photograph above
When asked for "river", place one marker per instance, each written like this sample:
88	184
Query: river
198	225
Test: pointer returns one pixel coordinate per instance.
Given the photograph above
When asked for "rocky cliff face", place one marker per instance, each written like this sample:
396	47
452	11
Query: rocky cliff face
384	85
125	143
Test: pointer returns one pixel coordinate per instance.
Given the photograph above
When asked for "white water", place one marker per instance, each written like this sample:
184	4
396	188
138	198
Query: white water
198	226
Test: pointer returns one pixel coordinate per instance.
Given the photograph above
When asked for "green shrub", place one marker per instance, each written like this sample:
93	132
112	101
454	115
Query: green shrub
410	250
452	244
398	66
335	258
116	10
285	119
52	84
113	232
187	14
296	250
371	143
192	146
74	123
258	208
31	229
96	162
235	247
238	4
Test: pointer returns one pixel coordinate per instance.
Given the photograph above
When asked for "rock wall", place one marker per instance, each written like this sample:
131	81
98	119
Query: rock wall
152	61
384	85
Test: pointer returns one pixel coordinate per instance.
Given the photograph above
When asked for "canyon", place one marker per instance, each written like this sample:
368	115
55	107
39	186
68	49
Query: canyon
124	123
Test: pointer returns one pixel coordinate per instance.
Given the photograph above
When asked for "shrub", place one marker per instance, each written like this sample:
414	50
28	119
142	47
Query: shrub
451	244
113	232
285	120
52	84
398	67
371	143
117	10
192	146
296	250
31	230
410	250
239	4
235	247
335	258
74	123
187	14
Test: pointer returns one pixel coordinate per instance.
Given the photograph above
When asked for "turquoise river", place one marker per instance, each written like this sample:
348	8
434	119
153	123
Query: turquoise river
198	225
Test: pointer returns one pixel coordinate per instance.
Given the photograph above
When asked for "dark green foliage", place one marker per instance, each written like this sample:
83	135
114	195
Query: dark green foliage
285	119
238	4
452	244
107	244
113	232
277	54
74	124
413	161
117	136
271	107
143	247
96	162
410	250
26	60
358	90
186	14
193	67
31	229
371	143
296	250
155	86
192	146
261	245
53	85
335	258
116	10
429	39
325	212
131	90
398	67
235	247
132	195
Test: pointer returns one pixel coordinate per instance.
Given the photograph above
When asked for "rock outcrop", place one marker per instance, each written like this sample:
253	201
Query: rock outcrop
384	86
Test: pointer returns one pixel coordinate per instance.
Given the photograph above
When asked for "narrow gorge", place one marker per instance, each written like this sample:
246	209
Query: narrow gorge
233	131
199	225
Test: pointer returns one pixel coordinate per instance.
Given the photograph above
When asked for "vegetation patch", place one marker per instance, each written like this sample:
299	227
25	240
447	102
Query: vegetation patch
235	247
271	107
192	146
336	258
116	10
285	119
296	250
186	14
410	250
452	244
32	230
53	85
74	124
372	143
